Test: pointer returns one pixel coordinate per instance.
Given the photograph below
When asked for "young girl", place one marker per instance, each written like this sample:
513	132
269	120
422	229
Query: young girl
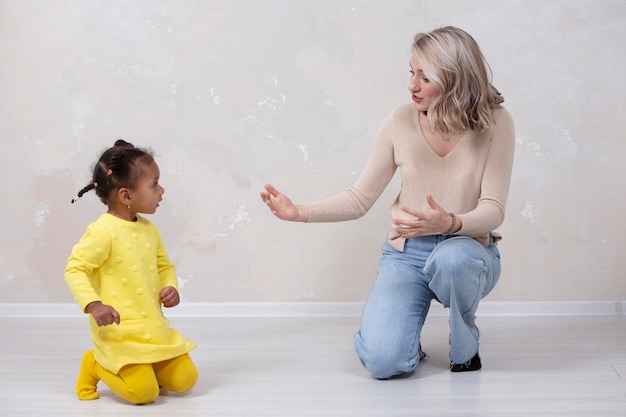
120	273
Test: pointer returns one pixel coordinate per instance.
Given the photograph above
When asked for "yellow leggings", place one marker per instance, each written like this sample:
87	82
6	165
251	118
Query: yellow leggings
137	383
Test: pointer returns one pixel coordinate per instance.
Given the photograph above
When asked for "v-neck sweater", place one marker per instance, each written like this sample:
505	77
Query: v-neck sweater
472	180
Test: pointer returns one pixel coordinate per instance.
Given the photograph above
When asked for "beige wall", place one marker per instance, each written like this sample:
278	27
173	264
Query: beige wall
234	94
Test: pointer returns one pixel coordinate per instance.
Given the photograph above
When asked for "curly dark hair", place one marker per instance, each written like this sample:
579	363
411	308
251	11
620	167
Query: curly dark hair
119	166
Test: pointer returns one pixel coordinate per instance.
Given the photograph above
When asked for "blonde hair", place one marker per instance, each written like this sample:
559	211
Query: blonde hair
452	60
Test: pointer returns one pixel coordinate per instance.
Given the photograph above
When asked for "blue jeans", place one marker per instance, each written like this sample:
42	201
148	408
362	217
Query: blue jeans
457	271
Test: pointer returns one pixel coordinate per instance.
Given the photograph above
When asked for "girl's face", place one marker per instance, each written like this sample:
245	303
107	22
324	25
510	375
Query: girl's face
147	194
423	91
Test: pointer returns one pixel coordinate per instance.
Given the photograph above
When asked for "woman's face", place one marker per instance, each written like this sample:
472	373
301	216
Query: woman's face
423	91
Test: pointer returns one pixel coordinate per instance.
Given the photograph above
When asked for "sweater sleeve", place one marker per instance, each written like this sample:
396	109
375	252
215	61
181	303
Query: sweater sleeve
359	198
167	270
87	257
489	212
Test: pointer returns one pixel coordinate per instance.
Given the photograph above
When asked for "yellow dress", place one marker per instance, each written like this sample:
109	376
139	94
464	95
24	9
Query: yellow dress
124	264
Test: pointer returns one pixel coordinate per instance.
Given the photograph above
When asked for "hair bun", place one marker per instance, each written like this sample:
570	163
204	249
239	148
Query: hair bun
123	143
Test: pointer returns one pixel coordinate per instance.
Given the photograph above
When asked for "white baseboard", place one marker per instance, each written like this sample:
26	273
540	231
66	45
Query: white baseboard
330	309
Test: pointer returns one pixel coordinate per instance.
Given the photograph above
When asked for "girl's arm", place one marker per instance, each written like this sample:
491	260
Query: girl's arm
87	256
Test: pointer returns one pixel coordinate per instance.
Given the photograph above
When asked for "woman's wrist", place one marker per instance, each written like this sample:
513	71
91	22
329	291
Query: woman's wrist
296	214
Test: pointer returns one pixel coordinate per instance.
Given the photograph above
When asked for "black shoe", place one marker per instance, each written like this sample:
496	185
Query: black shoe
420	352
471	365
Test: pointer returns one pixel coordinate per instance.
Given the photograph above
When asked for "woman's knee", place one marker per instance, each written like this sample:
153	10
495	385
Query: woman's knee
456	265
383	360
385	367
455	255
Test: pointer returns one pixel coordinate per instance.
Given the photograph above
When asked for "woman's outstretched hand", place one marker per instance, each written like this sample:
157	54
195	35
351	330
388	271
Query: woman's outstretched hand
279	204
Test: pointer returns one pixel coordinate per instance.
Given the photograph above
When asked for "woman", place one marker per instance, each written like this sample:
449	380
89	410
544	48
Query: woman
453	146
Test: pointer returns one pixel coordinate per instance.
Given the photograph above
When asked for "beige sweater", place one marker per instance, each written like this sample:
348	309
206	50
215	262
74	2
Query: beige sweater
472	180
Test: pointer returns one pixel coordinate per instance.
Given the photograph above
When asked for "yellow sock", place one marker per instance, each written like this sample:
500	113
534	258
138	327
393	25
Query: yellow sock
87	379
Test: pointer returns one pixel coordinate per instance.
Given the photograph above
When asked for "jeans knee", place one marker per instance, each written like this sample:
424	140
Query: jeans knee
459	278
384	362
385	367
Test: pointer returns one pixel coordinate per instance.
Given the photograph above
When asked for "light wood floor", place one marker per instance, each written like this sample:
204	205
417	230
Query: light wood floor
305	366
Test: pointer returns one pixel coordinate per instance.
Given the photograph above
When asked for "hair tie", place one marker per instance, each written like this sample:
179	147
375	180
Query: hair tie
75	199
95	185
110	172
452	226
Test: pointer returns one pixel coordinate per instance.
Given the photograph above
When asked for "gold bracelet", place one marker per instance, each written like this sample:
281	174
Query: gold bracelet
294	218
453	225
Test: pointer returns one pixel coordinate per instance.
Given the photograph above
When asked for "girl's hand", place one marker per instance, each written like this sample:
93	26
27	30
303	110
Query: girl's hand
169	297
103	314
279	204
435	220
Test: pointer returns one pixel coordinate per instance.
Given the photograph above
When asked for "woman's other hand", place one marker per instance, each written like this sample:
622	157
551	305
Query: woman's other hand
435	220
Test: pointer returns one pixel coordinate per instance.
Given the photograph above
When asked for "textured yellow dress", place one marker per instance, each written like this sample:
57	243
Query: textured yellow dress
124	264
